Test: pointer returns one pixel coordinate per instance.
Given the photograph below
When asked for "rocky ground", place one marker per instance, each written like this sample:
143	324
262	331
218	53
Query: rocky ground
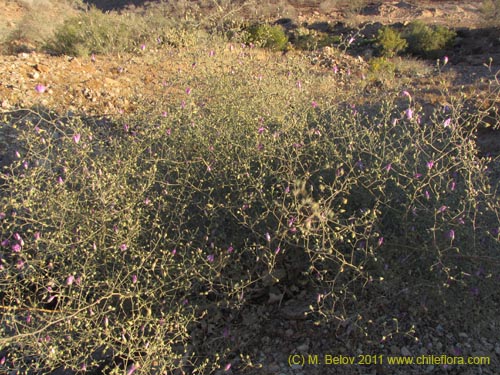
278	327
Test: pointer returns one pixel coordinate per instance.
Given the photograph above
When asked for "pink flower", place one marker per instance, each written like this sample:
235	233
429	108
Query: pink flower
314	104
278	249
164	114
445	60
430	164
76	137
447	123
442	209
143	47
2	215
427	195
406	93
211	258
261	130
131	369
16	248
388	167
40	88
211	53
134	279
188	90
299	84
92	58
123	247
409	113
70	279
268	237
227	367
380	241
335	69
60	180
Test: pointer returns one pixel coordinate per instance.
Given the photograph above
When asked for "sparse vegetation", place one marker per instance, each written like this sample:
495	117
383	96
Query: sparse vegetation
491	11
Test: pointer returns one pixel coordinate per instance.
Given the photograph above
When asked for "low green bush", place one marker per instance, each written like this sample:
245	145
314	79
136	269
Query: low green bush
428	41
389	42
96	32
267	36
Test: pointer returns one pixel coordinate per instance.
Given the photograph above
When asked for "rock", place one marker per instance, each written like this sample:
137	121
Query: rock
405	351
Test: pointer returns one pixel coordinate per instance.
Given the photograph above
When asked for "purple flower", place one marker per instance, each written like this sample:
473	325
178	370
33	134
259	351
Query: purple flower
287	189
188	90
417	175
20	264
134	279
388	167
17	237
123	247
2	215
442	209
261	130
453	185
5	243
230	249
409	113
40	88
16	248
143	47
76	137
183	104
28	318
60	180
451	234
174	251
430	164
427	195
211	258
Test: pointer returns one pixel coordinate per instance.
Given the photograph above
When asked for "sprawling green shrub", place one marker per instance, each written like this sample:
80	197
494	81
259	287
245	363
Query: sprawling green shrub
428	41
267	36
389	42
130	243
